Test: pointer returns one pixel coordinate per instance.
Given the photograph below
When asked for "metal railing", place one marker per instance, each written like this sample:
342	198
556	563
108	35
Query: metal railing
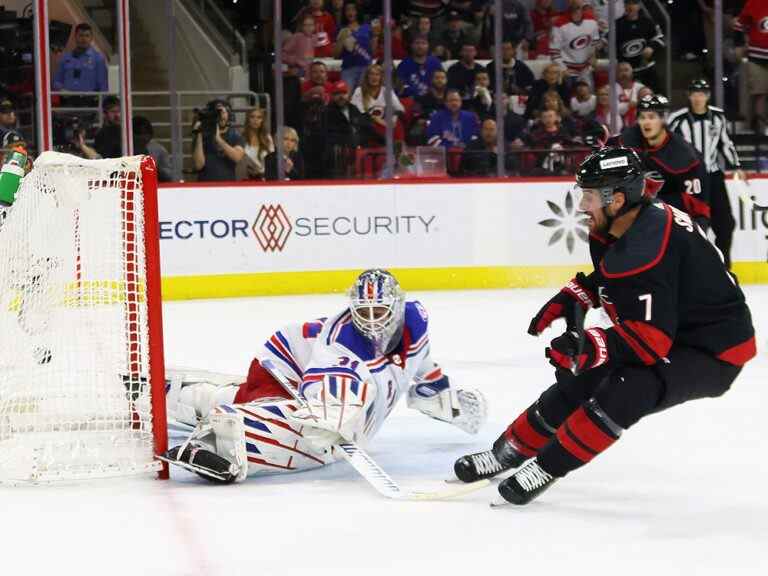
219	27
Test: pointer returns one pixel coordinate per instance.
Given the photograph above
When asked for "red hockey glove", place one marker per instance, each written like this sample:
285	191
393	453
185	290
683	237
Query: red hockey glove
561	305
564	350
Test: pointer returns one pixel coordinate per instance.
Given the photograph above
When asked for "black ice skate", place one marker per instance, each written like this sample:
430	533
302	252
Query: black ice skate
503	456
198	459
526	484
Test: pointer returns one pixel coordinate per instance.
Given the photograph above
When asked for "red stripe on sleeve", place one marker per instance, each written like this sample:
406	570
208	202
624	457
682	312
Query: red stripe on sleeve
588	432
654	338
740	354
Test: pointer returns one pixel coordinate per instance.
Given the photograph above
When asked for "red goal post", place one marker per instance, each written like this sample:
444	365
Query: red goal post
82	383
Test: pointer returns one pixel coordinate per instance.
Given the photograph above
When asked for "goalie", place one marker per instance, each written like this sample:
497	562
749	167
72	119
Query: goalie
351	369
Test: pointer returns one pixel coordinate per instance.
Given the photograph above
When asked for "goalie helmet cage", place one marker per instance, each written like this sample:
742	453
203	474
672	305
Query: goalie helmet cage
82	383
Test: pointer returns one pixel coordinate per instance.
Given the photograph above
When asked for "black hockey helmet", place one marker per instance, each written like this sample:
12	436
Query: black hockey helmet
654	102
614	169
699	85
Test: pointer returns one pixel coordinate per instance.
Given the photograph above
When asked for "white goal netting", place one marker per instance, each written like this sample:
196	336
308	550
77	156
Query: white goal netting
75	393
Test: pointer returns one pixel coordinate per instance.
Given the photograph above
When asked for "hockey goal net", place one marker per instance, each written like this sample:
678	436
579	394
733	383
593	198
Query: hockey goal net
81	357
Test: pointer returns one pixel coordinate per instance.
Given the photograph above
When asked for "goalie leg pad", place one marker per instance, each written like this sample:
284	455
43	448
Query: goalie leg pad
274	442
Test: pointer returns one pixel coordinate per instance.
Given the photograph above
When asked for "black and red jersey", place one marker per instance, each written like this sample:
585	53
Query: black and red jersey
675	163
663	284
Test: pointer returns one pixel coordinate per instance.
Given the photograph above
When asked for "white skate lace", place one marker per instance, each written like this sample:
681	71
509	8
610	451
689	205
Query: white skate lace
486	463
532	477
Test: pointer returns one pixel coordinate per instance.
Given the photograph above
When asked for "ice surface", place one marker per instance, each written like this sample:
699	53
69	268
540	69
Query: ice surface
683	492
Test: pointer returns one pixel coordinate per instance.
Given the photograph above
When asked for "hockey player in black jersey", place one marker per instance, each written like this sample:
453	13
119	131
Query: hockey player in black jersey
671	162
681	331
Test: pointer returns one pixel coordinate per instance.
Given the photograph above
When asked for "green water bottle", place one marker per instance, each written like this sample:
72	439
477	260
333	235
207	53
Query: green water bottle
11	175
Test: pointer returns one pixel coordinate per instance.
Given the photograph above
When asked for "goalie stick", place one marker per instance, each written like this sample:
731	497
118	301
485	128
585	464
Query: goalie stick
367	466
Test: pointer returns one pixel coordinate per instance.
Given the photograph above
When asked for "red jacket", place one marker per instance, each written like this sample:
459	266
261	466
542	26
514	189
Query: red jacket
753	21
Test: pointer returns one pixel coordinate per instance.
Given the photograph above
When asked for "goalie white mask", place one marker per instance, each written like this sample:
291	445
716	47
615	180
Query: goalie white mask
377	304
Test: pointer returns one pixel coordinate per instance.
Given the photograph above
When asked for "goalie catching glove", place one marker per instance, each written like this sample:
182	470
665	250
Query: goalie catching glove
464	408
578	292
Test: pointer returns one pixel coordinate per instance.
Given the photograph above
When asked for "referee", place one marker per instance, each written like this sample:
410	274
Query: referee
704	126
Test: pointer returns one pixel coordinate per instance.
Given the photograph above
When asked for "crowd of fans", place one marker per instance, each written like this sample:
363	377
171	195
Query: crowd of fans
444	84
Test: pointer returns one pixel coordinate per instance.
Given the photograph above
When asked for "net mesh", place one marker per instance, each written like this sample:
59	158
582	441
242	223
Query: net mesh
74	360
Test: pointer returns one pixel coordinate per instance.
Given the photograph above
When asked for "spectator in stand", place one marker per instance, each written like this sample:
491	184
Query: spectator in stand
353	45
434	99
8	133
516	25
316	87
603	111
369	99
461	76
144	143
453	37
552	101
432	9
293	161
637	38
482	103
452	127
415	72
299	49
108	142
627	91
336	10
753	23
479	158
217	149
517	77
600	11
258	143
541	18
342	126
325	28
427	105
85	68
583	102
377	41
574	43
422	27
547	134
551	79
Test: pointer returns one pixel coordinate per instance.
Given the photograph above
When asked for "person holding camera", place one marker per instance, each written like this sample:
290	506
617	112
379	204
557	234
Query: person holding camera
108	142
217	147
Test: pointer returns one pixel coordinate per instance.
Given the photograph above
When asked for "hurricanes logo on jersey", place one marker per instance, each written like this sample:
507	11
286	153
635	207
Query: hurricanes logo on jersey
763	25
580	42
633	47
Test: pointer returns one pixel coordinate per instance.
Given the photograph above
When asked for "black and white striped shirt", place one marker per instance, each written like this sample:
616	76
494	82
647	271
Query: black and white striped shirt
708	133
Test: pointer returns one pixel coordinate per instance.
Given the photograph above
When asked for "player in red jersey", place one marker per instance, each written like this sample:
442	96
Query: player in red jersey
681	331
678	174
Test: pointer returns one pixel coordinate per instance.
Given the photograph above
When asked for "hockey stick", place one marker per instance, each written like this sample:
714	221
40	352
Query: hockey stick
578	320
367	466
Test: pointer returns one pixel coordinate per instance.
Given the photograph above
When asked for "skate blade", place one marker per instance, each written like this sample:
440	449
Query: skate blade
500	503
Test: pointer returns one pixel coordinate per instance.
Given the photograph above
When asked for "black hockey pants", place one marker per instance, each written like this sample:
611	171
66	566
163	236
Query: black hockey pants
629	393
721	218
